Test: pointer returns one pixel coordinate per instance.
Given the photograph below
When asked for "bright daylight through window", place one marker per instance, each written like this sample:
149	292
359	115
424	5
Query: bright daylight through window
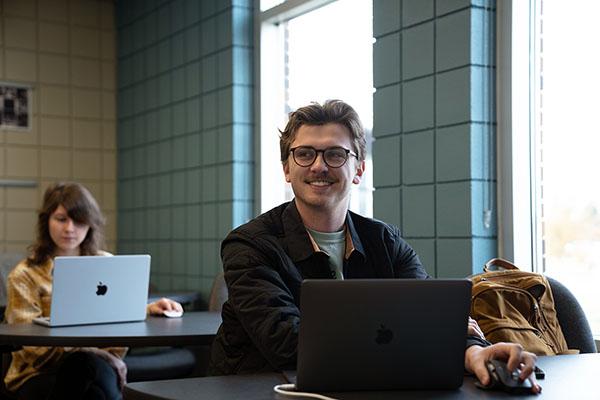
322	54
569	139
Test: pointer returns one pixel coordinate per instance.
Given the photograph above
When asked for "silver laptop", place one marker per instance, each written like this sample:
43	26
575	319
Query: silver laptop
382	334
98	289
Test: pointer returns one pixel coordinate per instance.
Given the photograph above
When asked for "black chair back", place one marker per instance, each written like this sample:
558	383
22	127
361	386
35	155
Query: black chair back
572	319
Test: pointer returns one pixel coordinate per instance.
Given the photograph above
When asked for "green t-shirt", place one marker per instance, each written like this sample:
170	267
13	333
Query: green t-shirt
334	245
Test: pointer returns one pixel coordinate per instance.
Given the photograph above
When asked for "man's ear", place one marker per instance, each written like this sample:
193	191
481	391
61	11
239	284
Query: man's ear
360	169
286	171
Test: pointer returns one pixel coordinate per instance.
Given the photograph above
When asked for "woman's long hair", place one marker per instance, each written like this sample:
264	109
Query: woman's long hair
81	207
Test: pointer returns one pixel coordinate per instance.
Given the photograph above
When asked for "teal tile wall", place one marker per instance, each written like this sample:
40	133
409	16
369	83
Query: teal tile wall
185	127
418	211
387	110
435	128
387	204
417	104
418	158
388	164
417	51
387	13
386	58
415	11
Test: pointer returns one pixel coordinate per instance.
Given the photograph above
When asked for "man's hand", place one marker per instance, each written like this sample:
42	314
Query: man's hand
512	353
163	304
473	329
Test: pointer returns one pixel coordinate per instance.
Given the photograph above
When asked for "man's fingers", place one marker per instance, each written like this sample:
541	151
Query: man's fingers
514	357
474	329
481	372
475	358
527	365
536	388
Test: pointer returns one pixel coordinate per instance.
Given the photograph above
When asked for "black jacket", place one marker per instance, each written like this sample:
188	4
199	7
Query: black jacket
265	262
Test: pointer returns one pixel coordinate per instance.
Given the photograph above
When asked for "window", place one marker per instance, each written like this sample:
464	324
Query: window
313	51
551	108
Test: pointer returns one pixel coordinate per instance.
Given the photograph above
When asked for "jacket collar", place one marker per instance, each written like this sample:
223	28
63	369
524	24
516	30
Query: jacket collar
297	240
353	235
295	236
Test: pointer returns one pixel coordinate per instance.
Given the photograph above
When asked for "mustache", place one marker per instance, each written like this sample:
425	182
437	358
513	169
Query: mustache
321	177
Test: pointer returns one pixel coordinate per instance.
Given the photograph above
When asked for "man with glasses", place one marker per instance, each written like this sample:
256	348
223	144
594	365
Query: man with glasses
315	236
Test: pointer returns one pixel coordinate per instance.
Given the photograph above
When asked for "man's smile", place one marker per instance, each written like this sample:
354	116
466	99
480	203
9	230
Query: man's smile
320	182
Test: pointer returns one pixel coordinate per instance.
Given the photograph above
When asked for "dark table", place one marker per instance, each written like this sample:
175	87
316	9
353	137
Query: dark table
567	377
194	328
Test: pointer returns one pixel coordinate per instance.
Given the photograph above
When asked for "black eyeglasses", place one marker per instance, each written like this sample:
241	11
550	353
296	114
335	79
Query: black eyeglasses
334	157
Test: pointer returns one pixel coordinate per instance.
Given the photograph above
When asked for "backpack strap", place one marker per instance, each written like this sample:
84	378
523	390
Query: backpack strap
498	264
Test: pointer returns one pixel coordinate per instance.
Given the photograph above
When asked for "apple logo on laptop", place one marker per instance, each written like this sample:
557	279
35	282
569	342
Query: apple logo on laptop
384	335
101	289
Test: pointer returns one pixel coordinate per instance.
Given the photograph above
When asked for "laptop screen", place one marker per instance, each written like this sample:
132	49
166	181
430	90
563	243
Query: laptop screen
381	334
99	289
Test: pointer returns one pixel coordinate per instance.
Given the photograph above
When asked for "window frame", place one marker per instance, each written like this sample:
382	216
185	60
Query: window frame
269	70
519	210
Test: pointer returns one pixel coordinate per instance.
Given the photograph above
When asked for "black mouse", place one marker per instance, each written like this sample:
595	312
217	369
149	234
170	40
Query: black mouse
503	379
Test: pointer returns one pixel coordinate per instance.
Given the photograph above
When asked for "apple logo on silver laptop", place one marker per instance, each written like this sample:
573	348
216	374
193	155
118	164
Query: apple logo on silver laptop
101	289
384	335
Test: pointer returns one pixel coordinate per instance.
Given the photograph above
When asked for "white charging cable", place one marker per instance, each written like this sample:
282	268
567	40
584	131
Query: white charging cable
289	389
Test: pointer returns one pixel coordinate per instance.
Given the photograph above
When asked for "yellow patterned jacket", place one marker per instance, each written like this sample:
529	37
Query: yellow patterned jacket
29	293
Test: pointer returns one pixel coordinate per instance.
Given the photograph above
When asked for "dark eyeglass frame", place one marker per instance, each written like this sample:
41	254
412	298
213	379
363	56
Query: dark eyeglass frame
323	152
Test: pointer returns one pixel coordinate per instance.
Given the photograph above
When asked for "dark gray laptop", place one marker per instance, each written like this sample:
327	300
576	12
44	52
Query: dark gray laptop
382	334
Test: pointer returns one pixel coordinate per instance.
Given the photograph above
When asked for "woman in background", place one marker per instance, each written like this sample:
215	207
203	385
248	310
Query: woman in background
69	224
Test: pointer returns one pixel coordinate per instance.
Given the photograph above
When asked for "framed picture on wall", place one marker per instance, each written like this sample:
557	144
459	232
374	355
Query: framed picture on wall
15	103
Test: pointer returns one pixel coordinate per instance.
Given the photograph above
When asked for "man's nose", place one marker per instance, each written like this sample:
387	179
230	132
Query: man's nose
319	164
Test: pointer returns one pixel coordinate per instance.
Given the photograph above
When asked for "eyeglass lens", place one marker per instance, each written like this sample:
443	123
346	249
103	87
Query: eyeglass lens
334	156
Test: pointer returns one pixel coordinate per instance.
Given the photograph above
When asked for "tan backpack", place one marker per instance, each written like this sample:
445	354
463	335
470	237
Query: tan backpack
517	306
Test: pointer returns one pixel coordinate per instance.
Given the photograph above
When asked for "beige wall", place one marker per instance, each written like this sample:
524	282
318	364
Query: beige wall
64	49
